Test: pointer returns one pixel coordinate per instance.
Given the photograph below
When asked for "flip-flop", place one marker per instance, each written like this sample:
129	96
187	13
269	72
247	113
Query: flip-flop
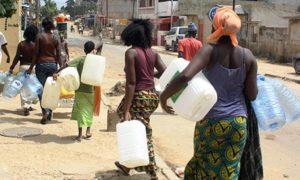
179	172
88	137
121	168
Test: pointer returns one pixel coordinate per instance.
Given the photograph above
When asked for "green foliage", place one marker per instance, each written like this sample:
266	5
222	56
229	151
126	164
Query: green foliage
74	10
49	9
7	8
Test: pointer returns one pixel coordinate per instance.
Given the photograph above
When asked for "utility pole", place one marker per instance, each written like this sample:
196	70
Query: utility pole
233	5
171	21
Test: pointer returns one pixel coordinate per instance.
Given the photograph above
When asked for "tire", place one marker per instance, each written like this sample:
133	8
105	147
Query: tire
174	47
297	66
166	47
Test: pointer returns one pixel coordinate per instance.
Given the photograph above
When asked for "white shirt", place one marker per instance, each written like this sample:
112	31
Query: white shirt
2	41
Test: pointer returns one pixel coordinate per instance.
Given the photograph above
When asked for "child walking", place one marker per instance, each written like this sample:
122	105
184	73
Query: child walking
84	96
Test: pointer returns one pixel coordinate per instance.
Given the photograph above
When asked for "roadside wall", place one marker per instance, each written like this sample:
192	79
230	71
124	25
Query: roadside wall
12	35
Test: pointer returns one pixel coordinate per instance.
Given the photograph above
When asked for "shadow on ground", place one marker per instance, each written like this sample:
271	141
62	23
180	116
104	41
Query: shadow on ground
116	175
51	138
19	121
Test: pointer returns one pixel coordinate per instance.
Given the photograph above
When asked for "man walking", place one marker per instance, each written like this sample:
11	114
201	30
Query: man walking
188	47
3	44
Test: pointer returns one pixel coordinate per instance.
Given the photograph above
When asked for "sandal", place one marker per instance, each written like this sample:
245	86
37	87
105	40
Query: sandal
179	172
88	137
124	170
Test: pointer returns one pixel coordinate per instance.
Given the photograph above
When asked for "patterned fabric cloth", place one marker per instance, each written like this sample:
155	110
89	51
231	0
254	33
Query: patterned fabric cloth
83	109
218	147
251	162
144	103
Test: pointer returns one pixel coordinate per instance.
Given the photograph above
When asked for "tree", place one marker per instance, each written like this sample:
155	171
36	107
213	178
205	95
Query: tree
49	9
7	8
84	7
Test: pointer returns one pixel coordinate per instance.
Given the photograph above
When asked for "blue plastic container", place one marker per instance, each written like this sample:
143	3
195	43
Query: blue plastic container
13	87
269	112
288	101
31	88
2	77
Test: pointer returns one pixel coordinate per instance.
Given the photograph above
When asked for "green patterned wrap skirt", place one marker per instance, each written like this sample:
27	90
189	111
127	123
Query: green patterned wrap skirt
218	147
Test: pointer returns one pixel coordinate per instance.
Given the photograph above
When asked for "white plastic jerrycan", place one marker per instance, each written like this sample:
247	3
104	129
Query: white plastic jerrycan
69	78
132	144
51	94
195	99
93	70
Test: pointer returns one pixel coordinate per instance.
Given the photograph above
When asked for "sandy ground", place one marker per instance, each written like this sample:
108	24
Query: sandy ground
54	154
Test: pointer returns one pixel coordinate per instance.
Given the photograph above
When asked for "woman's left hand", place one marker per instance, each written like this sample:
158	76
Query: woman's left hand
165	107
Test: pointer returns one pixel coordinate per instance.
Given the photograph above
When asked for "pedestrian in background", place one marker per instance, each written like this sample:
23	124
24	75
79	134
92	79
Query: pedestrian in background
3	44
188	47
83	106
141	99
220	137
46	58
64	57
24	55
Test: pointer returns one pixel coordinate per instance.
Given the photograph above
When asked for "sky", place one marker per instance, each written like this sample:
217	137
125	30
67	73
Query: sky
60	3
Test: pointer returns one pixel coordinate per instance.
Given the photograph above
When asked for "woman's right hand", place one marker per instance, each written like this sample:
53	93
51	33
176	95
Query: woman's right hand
55	76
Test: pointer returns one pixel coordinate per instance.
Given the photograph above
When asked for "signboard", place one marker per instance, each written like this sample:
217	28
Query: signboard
212	12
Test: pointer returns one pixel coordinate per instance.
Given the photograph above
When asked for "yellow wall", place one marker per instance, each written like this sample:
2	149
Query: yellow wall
12	35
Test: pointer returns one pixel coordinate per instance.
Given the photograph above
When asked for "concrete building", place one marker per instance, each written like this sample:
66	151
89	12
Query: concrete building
12	34
294	36
264	23
113	15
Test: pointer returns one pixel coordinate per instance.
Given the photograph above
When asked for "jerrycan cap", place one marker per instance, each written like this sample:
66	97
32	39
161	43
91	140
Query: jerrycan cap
261	77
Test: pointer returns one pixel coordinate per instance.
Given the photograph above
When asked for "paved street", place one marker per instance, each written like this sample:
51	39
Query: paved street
54	155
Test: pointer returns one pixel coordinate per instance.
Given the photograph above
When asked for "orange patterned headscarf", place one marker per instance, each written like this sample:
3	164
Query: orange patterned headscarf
226	23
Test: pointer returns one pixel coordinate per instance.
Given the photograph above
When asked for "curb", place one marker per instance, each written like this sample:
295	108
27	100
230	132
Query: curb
162	51
283	78
165	169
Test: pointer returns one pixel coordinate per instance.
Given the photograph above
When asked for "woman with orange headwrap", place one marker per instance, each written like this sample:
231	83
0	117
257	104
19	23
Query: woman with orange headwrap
220	137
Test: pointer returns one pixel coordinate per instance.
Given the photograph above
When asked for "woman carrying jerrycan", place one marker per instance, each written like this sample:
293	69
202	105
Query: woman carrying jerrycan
220	137
140	99
24	55
45	59
84	96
